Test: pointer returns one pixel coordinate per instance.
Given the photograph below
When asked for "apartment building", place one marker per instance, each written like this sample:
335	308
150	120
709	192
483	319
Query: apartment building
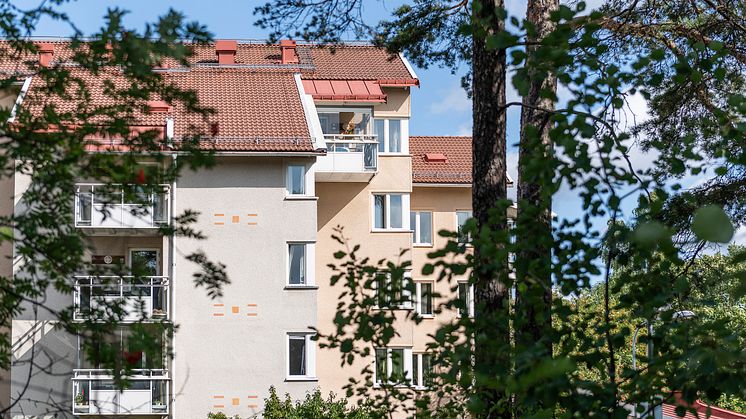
307	139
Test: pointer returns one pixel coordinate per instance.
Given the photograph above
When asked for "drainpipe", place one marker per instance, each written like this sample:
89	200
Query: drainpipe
172	267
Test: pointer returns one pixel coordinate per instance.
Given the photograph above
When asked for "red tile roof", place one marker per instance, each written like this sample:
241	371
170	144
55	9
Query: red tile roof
254	111
354	62
456	151
256	99
669	412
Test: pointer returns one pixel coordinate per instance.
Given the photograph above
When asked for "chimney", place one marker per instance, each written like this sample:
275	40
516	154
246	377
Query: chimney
226	51
46	52
289	55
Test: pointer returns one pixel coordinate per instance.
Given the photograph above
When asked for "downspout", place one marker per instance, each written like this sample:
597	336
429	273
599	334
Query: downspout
172	260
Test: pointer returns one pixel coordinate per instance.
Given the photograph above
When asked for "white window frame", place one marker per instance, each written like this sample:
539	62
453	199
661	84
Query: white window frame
308	180
469	299
310	257
407	361
387	209
417	226
310	347
404	127
418	301
420	376
409	304
467	243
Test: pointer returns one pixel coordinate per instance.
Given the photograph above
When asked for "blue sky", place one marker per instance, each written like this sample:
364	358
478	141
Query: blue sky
440	106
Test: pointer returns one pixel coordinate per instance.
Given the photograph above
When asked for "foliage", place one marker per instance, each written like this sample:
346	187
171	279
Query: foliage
639	232
46	141
314	406
220	415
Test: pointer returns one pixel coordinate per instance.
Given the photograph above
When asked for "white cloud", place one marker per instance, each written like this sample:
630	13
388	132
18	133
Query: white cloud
465	130
452	100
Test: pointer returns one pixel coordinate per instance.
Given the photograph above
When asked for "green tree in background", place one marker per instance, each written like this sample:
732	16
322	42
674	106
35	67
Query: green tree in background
683	59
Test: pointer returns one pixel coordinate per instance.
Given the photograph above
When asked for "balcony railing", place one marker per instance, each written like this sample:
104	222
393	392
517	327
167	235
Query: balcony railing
143	297
350	153
95	393
109	206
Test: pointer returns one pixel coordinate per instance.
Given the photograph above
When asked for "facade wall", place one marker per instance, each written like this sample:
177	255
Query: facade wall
229	350
348	205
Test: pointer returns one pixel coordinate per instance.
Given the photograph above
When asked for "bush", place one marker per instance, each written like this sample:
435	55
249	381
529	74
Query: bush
314	406
220	415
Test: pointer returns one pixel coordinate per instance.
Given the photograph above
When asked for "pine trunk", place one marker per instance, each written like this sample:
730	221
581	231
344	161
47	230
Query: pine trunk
491	297
533	304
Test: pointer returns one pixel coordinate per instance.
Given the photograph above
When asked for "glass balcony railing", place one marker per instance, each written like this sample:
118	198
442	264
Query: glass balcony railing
349	153
109	206
95	393
141	297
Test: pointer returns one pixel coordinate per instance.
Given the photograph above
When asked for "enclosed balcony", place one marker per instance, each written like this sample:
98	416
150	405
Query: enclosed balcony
95	393
103	207
351	147
141	298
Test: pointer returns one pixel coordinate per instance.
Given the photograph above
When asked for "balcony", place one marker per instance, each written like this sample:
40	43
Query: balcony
95	393
143	297
100	206
349	158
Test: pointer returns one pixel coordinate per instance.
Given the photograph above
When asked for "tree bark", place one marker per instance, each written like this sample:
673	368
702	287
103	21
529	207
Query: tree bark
533	305
492	334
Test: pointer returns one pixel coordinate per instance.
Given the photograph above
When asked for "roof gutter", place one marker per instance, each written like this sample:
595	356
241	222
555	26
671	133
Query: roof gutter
409	67
440	185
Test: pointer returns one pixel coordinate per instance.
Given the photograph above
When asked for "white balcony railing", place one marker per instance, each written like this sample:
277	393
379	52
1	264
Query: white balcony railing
349	153
143	297
95	393
109	206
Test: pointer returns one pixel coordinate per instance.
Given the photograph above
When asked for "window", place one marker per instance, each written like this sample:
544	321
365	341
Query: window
389	210
379	129
296	180
461	218
422	370
424	298
300	264
301	356
391	134
392	365
466	296
421	223
394	293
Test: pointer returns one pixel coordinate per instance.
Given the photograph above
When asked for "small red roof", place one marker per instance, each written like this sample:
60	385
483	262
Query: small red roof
344	90
440	159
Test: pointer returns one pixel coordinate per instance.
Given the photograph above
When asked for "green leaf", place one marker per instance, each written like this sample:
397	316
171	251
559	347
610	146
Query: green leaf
712	224
650	234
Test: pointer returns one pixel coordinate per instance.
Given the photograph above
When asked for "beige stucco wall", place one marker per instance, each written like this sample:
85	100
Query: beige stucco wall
231	349
349	205
398	103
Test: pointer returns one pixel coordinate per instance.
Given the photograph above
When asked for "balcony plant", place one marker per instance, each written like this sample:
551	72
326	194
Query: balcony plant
158	313
81	403
158	404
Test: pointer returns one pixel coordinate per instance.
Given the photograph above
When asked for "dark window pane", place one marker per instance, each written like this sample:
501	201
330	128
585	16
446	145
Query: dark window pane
397	365
296	180
396	211
297	256
297	355
381	370
379	211
425	228
426	298
378	131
